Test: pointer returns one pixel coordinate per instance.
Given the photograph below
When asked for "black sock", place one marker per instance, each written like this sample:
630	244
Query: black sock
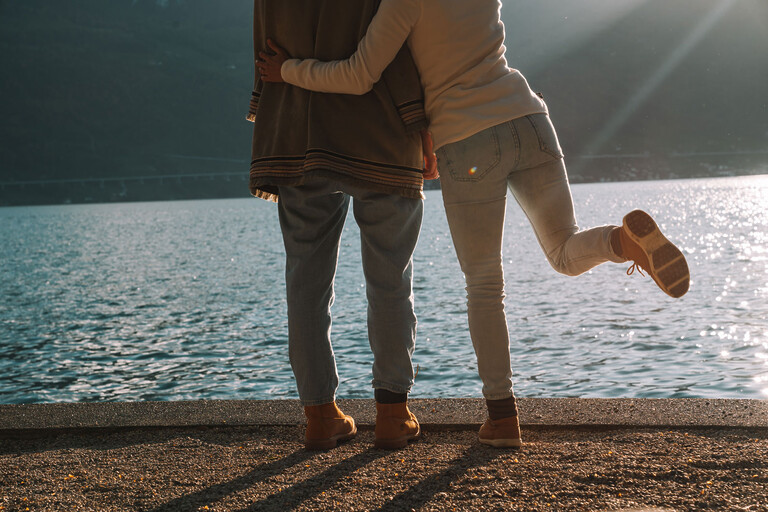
500	409
384	396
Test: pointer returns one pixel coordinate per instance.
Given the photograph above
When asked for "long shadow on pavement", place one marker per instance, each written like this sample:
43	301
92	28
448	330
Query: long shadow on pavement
425	490
292	497
413	498
219	491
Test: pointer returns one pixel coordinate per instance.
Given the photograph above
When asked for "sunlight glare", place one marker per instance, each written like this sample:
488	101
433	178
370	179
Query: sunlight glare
673	60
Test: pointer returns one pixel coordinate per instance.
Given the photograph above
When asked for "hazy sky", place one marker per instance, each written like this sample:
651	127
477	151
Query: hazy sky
550	28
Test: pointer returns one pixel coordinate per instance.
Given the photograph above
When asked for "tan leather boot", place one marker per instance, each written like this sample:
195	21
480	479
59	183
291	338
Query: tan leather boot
503	433
326	426
395	426
643	243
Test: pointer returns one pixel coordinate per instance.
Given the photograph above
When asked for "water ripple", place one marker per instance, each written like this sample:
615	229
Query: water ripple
185	300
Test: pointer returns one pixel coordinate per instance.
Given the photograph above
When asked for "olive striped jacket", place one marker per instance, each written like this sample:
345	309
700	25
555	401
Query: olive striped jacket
372	139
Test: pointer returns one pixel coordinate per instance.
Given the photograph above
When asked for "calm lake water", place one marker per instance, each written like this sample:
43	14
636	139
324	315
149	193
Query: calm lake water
185	300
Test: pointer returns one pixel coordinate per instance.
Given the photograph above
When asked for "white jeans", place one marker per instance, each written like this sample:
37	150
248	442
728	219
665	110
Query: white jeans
523	155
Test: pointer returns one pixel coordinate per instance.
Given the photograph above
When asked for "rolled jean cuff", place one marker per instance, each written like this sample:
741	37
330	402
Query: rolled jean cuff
308	403
499	396
378	384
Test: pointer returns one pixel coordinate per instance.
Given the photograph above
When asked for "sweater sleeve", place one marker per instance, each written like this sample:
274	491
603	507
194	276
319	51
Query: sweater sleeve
404	86
386	34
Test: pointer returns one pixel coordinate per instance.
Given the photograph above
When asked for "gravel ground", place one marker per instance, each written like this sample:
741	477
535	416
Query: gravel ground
266	468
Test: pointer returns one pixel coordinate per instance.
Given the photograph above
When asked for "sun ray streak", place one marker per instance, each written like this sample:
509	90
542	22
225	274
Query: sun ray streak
691	40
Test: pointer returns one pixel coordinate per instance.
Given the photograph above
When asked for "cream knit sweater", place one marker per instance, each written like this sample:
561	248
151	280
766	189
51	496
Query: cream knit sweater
458	47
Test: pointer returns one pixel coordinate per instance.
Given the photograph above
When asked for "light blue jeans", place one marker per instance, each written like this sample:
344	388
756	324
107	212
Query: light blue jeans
312	218
523	155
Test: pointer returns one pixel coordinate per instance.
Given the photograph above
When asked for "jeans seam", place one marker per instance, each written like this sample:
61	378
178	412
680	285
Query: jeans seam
543	146
516	139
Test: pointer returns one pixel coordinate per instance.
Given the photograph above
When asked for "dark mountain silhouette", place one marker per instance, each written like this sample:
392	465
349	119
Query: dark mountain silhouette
670	89
97	92
122	88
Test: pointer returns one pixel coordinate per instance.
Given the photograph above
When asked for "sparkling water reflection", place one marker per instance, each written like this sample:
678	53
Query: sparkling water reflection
185	300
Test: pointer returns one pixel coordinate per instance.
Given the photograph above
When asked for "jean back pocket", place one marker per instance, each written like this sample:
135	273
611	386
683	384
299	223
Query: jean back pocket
472	158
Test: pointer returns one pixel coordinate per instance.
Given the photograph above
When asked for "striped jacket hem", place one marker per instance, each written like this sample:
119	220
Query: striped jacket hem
269	172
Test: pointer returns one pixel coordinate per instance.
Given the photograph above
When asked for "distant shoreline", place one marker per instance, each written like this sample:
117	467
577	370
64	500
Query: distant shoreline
95	190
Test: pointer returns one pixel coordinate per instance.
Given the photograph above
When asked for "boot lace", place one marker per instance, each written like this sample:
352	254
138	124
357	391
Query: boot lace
635	266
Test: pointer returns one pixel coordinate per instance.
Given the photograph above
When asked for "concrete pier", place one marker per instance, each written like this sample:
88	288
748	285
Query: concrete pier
649	455
454	413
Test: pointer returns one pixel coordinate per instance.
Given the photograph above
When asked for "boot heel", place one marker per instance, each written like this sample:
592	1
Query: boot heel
327	426
395	426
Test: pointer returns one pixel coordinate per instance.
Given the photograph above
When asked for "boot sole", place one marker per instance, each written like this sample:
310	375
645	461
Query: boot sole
331	442
503	443
397	443
668	267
